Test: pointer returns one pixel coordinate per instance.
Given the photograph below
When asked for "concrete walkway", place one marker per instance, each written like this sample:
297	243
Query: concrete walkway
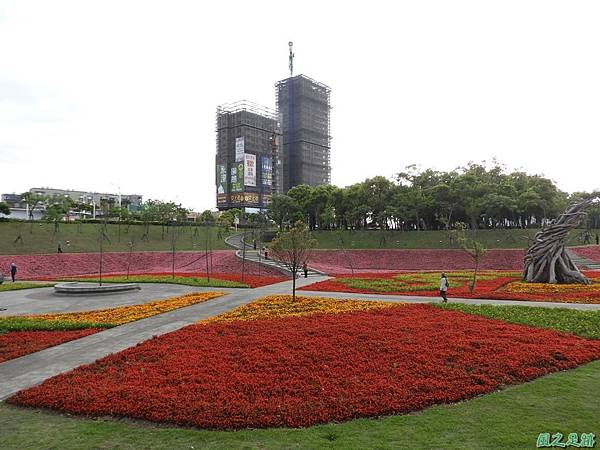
469	301
29	370
44	300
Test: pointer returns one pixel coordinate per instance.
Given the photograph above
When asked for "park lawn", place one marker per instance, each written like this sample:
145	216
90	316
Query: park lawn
9	286
581	323
506	419
177	279
39	238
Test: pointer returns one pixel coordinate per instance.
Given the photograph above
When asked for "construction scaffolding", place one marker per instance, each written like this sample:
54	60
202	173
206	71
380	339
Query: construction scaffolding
248	161
304	112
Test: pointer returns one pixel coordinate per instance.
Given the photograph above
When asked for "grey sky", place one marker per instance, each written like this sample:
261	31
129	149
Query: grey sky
101	95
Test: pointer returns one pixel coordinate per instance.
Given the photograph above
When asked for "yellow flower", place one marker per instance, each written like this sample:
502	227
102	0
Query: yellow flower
126	314
281	305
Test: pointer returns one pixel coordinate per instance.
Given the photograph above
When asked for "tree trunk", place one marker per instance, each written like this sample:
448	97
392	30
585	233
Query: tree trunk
294	286
474	283
547	260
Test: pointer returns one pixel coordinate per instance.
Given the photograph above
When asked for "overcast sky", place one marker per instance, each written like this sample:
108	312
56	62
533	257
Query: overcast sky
102	95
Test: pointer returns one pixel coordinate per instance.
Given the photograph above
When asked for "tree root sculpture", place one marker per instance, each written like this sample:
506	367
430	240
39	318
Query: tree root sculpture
547	260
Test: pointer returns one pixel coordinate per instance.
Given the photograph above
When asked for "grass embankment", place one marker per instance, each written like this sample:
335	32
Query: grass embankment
10	286
39	237
425	239
511	418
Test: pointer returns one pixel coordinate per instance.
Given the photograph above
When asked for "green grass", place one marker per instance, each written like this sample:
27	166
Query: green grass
16	323
10	286
39	237
188	281
424	239
508	419
581	323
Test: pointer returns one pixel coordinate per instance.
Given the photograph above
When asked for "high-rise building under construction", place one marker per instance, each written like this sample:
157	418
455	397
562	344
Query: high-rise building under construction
303	105
248	161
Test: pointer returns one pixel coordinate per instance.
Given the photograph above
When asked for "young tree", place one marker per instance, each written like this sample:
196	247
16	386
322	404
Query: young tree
473	248
293	249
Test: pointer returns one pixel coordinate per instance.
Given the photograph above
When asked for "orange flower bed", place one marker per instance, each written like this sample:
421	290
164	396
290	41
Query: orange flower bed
275	306
126	314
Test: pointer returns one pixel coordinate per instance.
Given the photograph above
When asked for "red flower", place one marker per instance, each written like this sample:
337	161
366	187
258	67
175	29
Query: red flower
299	371
340	262
54	266
19	343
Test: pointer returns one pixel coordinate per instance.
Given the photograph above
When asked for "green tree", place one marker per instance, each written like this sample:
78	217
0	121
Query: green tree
4	208
207	217
473	248
302	194
293	248
283	210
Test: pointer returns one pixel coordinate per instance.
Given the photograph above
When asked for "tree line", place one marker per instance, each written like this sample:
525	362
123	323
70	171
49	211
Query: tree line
479	195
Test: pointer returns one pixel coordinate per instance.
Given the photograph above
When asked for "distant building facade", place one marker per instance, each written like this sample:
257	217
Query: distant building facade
132	202
304	108
248	160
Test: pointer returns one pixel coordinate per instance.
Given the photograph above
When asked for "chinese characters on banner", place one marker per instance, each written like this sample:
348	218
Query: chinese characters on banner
267	171
240	148
245	197
249	169
237	177
221	179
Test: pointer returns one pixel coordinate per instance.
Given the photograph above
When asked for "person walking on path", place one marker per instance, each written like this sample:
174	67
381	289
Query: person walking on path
305	269
13	271
444	288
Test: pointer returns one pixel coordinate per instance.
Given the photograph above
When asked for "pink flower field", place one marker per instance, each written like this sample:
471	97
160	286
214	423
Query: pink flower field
71	264
337	262
592	252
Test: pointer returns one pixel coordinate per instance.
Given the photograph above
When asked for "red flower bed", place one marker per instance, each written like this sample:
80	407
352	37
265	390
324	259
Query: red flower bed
14	344
339	262
73	264
591	252
299	371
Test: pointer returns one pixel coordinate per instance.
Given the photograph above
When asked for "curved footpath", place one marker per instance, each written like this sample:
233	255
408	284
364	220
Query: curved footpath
29	370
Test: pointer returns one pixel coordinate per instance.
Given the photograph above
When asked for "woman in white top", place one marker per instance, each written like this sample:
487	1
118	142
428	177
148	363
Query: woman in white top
444	288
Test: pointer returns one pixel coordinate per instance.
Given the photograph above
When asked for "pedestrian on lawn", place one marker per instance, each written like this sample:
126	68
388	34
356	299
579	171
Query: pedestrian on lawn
253	244
597	239
444	288
13	271
305	269
59	248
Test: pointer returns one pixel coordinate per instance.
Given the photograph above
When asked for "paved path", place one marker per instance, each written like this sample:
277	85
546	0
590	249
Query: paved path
29	370
471	301
237	241
44	300
32	369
